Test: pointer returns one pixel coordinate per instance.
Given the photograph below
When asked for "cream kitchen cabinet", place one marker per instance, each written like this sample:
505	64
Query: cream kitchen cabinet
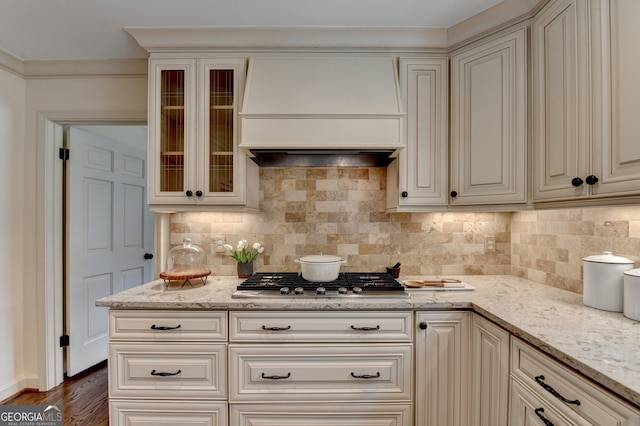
306	327
585	100
330	374
158	413
442	368
167	367
489	373
287	368
616	97
489	121
541	386
193	158
529	409
560	101
419	177
321	414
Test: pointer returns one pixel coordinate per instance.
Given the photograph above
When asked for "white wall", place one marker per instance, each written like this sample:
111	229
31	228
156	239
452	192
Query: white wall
12	247
61	97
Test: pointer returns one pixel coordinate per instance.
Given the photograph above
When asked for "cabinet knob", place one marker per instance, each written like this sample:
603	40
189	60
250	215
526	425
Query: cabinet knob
422	325
591	179
576	181
198	193
454	194
189	193
148	256
404	194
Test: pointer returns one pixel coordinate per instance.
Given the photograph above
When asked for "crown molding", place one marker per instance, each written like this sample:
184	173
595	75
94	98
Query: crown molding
287	38
86	68
508	12
73	68
11	63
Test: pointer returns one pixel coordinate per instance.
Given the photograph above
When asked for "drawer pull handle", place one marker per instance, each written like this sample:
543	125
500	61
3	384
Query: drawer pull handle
161	327
543	418
365	376
554	392
276	377
264	327
164	374
377	327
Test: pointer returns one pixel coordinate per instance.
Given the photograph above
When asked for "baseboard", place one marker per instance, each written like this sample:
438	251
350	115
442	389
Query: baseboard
16	386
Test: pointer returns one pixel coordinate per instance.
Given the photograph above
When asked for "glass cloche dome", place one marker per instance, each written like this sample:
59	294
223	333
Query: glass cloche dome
186	262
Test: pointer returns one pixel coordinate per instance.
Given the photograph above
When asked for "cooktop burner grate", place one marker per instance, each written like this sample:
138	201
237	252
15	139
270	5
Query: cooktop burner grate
354	284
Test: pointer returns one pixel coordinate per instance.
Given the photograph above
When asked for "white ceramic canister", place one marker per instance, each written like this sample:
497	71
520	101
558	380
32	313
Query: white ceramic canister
603	282
632	294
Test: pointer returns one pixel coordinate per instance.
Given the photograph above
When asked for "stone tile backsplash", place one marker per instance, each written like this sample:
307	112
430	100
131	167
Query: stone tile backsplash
548	245
341	211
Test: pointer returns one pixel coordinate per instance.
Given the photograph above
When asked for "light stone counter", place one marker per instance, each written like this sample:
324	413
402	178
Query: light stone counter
604	346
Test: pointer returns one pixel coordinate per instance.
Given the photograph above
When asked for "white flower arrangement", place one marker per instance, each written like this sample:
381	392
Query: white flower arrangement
242	252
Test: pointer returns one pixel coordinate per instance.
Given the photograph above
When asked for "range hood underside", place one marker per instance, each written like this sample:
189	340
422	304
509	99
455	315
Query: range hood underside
323	158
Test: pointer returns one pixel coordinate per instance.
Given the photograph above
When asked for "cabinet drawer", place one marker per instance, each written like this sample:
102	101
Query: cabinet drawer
167	325
527	408
320	326
167	413
169	370
326	373
597	405
320	414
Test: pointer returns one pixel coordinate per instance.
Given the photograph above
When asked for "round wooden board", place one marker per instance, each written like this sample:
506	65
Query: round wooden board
185	274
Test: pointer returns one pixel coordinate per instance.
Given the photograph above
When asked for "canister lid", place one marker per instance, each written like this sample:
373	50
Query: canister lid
633	272
607	257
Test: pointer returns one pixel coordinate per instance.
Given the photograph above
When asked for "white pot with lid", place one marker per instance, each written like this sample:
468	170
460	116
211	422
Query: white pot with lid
603	281
320	268
632	294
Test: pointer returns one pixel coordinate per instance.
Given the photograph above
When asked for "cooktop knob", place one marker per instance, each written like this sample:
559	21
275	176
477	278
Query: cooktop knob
343	290
321	291
356	290
285	290
299	290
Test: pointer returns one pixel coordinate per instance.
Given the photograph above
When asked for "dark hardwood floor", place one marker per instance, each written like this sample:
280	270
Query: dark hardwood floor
83	397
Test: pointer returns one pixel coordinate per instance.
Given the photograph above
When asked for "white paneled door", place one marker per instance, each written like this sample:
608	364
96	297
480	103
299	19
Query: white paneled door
109	229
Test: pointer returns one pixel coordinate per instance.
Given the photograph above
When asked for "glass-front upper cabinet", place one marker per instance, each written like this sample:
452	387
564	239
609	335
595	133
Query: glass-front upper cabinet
221	108
171	130
193	135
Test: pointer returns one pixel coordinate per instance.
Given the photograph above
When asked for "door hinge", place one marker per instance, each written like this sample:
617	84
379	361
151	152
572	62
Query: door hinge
63	153
64	340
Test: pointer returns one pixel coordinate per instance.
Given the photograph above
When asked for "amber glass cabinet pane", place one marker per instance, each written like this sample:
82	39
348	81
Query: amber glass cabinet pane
172	131
221	120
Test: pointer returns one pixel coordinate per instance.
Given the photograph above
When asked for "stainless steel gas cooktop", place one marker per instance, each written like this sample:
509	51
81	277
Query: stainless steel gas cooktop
348	284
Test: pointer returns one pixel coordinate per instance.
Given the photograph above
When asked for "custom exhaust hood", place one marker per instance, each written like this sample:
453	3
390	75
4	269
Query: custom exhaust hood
322	111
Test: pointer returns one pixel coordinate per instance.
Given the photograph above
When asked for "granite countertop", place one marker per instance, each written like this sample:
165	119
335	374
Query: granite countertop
604	346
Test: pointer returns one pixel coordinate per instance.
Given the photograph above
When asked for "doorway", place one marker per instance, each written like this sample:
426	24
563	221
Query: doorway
49	217
108	232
